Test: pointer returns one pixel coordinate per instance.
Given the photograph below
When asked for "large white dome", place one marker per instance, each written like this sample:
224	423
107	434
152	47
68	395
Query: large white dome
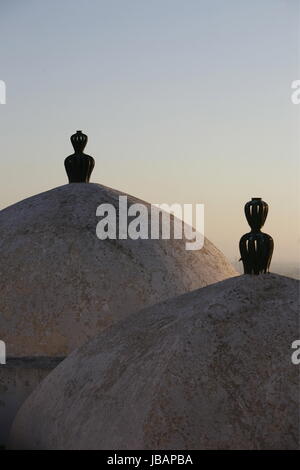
210	369
60	284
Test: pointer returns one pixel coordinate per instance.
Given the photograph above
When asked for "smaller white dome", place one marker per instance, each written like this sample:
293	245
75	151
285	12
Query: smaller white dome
210	369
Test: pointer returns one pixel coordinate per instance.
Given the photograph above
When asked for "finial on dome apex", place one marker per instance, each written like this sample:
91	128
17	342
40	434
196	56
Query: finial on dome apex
79	166
256	247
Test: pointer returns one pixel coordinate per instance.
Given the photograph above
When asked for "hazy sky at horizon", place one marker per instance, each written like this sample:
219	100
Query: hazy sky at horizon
183	101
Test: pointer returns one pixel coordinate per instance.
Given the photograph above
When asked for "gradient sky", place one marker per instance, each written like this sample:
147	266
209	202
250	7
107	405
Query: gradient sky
183	101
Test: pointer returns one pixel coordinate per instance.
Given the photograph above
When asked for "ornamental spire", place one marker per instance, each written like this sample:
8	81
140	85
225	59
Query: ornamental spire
79	166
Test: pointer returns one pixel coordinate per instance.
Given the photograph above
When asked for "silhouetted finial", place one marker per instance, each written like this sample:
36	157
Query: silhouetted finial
79	166
79	141
256	247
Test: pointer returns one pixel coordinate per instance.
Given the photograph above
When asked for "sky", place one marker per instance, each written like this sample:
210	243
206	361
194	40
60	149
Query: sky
183	101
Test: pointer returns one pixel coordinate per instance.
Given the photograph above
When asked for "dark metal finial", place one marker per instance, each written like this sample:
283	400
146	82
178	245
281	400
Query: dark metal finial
79	166
79	141
256	247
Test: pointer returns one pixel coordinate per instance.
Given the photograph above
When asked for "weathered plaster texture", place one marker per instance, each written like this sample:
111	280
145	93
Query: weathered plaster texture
18	378
60	284
207	370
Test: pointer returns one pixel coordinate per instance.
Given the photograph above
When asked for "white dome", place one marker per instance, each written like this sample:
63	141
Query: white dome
208	370
60	284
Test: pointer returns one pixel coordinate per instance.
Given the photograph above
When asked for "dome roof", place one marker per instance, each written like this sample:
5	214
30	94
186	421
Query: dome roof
207	370
60	284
